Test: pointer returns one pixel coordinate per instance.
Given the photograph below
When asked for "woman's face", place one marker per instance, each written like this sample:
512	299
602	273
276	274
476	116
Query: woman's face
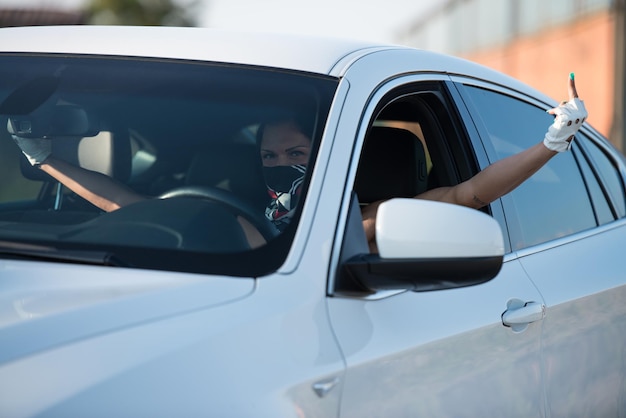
283	144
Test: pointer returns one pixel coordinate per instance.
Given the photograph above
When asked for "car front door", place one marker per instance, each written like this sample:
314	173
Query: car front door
445	352
568	232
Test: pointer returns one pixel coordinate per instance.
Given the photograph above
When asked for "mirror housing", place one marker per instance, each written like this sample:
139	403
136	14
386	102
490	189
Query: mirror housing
425	245
60	121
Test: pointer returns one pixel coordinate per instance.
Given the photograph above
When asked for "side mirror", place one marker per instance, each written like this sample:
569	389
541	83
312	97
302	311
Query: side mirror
425	245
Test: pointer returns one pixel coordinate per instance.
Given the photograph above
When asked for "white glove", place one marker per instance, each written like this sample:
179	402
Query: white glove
36	150
569	118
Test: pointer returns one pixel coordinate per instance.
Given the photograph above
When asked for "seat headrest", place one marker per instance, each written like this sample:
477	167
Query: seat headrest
392	164
106	153
234	167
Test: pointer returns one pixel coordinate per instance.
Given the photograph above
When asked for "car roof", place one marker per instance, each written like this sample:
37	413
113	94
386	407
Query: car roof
296	52
312	54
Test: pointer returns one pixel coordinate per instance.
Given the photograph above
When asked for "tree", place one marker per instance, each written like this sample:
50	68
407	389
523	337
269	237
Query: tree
142	12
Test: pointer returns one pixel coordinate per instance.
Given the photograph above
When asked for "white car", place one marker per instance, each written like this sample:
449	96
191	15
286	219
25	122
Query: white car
164	308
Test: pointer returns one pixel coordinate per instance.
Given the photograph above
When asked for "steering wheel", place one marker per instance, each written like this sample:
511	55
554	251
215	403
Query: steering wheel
231	202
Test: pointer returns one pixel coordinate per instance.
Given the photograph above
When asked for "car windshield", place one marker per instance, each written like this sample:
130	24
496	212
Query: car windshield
182	135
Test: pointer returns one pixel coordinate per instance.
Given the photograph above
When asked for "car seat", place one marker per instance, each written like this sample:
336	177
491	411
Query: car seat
392	164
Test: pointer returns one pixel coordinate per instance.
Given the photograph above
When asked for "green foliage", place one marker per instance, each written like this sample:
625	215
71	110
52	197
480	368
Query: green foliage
142	12
14	185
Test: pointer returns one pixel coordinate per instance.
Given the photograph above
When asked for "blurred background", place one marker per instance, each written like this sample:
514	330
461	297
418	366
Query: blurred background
537	41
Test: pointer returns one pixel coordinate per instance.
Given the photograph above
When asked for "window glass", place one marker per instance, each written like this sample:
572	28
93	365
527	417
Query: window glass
19	188
407	150
600	203
554	202
609	176
181	136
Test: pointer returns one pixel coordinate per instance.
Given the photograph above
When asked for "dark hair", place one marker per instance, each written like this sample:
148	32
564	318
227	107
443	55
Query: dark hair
305	125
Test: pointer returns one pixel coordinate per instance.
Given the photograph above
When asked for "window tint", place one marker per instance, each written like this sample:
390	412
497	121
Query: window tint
412	146
554	202
598	198
609	176
20	187
169	131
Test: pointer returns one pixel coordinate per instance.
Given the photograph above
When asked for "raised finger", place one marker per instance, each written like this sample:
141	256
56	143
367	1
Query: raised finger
572	87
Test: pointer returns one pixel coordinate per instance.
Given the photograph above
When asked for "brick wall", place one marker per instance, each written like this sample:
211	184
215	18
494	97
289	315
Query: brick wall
544	61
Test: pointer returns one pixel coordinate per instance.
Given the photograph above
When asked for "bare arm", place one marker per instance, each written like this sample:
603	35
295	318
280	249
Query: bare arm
102	191
504	175
98	189
494	181
109	195
488	185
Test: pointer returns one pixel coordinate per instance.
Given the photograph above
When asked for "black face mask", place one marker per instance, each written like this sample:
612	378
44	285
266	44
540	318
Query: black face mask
283	185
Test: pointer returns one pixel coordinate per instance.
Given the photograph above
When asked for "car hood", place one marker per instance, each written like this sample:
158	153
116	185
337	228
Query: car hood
45	305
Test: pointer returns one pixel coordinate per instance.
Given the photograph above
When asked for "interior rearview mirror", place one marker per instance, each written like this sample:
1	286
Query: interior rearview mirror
59	121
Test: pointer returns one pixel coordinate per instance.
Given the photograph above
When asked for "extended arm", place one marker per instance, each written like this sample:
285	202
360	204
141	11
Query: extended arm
494	181
505	175
99	189
102	191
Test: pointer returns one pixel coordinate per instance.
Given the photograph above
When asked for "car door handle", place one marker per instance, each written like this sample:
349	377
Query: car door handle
519	314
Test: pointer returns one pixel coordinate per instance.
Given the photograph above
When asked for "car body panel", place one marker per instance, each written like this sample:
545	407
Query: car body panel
583	321
299	53
75	307
408	345
327	56
163	356
418	328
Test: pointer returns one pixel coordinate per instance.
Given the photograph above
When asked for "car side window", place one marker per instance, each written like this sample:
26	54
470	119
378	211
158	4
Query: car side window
607	175
412	145
600	204
414	142
554	202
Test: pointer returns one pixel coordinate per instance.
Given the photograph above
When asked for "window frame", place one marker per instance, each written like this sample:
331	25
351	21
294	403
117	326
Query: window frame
583	141
465	156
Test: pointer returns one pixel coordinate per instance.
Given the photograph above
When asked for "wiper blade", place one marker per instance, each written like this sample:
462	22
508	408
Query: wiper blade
45	253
